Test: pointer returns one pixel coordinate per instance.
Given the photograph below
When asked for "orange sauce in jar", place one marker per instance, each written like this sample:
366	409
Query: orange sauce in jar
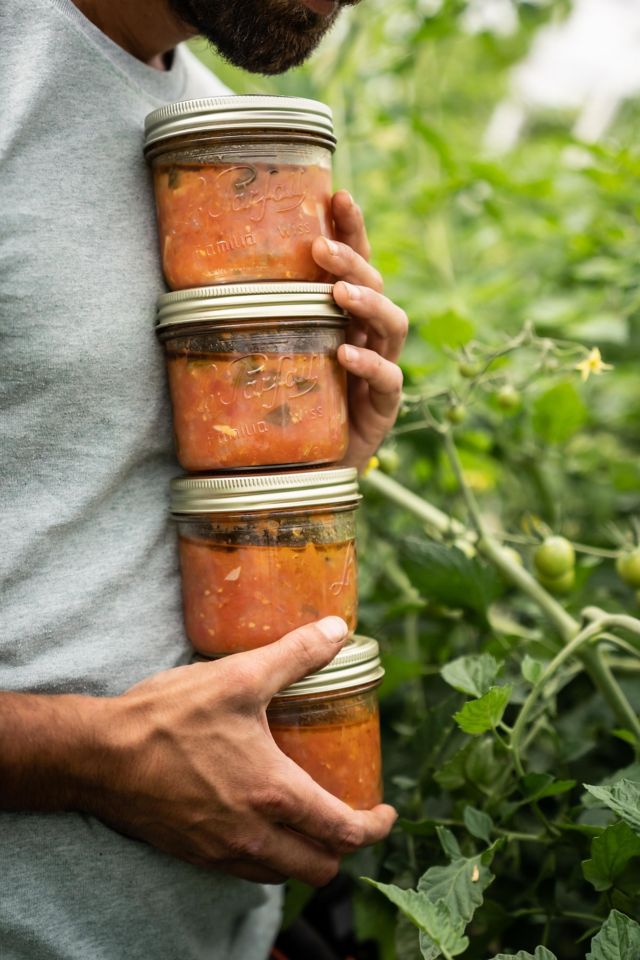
241	221
241	597
238	410
336	741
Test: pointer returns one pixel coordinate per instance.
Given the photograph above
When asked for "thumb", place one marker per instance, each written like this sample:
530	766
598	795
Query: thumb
303	651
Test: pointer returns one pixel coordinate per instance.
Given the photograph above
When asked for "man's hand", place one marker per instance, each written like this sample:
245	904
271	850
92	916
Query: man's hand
185	760
376	333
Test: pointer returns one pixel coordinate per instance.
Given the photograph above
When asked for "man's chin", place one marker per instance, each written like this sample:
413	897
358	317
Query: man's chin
260	36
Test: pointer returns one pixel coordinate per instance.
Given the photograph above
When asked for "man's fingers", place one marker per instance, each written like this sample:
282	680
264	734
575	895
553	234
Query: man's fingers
384	317
316	813
343	262
349	223
383	377
305	650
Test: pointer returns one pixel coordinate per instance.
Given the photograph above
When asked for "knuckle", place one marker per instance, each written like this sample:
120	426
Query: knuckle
251	846
403	323
377	281
350	836
323	873
271	800
245	683
301	648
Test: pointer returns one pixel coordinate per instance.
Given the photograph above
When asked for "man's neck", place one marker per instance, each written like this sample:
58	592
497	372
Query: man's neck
144	28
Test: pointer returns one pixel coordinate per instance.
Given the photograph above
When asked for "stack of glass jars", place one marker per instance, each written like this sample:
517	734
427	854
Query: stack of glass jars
251	333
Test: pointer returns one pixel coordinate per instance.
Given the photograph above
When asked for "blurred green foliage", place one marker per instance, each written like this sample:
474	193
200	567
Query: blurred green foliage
476	249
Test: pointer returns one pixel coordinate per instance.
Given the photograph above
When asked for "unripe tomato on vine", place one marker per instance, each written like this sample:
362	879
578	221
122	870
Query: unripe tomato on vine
555	557
508	398
469	369
562	584
456	413
628	567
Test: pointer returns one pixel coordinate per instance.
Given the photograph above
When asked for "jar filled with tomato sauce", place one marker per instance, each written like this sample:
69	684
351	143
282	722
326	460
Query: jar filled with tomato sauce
262	554
242	187
328	723
254	376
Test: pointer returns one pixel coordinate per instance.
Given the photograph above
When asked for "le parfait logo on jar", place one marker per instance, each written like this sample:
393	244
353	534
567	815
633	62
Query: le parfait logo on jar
253	190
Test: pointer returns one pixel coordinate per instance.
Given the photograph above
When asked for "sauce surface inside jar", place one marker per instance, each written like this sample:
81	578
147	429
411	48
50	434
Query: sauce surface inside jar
241	221
336	741
248	583
238	410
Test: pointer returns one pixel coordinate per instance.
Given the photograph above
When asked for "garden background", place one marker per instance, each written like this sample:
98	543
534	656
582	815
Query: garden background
510	684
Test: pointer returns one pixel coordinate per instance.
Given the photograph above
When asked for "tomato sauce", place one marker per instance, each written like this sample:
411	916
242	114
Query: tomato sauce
245	596
340	748
235	410
237	222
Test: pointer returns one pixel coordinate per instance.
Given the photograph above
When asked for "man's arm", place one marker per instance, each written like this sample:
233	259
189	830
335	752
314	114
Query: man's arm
185	761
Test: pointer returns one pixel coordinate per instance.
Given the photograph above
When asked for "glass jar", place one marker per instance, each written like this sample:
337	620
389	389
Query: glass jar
329	724
264	553
242	187
254	376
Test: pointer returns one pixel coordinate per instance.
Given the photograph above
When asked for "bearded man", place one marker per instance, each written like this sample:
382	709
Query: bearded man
147	812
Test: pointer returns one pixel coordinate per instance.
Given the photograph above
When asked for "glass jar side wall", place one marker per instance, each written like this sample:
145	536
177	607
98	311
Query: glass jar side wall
247	579
335	737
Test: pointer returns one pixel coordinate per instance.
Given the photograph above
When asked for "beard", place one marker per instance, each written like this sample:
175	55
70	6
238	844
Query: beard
262	36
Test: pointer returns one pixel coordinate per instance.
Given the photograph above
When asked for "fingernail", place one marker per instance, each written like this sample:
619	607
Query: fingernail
353	292
333	628
350	353
331	247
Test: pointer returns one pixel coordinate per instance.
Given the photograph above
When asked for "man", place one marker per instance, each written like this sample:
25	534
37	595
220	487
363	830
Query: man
150	804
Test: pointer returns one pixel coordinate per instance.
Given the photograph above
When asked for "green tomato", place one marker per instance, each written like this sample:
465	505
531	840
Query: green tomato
628	567
456	413
508	398
389	459
468	369
562	584
554	557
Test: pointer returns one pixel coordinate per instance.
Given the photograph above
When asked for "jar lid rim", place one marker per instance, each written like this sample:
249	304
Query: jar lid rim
234	493
247	301
356	664
242	112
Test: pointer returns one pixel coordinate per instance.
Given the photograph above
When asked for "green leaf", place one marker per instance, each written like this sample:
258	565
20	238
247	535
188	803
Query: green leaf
558	413
447	329
537	786
618	939
532	669
541	954
478	823
472	675
610	854
623	798
479	716
460	885
447	576
434	919
448	842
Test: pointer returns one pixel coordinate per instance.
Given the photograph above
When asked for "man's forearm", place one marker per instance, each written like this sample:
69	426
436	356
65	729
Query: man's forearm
47	750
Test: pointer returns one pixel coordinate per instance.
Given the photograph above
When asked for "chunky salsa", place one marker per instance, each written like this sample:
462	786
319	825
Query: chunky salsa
339	748
239	597
237	222
235	410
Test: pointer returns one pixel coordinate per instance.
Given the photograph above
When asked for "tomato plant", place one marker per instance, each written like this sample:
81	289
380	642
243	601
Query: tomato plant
510	722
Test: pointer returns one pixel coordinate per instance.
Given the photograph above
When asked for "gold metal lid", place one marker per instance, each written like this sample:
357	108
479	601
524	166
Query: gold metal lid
264	491
355	665
241	115
248	301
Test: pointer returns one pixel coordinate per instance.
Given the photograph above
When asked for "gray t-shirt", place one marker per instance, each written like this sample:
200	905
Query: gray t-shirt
90	587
